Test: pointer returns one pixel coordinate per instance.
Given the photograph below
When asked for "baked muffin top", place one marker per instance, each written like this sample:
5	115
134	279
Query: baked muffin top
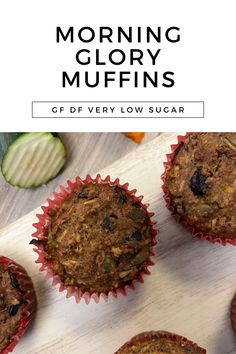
99	238
11	306
202	183
159	343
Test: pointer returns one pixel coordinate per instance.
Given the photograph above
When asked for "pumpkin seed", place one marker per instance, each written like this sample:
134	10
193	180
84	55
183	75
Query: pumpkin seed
140	258
124	273
108	265
137	214
125	257
204	210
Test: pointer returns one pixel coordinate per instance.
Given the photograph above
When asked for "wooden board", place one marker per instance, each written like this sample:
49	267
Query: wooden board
189	291
87	153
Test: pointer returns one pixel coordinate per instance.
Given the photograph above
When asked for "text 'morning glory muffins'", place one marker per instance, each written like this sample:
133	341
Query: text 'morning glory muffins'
17	303
160	342
200	184
96	239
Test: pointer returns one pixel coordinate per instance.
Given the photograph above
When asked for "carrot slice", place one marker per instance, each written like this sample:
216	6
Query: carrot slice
137	137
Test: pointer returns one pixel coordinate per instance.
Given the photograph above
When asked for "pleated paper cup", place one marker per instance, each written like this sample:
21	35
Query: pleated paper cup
146	337
195	232
44	220
28	295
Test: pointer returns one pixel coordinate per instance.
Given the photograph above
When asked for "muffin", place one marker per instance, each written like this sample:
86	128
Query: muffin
160	342
98	238
200	184
17	303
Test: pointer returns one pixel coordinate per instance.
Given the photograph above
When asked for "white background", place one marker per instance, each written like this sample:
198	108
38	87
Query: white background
31	61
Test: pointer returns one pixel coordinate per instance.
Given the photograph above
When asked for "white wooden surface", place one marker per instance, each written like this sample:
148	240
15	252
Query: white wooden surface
188	292
87	153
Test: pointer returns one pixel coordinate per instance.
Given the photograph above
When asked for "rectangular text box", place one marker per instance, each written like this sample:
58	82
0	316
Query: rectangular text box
118	109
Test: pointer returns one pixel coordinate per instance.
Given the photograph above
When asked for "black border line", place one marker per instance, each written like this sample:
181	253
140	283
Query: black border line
125	117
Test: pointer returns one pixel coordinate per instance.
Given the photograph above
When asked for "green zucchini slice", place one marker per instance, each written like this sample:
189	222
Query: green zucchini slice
32	159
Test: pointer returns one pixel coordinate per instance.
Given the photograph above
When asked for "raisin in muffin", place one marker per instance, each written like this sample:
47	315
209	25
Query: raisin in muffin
201	183
17	303
160	342
98	239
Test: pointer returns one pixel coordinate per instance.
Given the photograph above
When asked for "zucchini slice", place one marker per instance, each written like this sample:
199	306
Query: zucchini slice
32	159
5	140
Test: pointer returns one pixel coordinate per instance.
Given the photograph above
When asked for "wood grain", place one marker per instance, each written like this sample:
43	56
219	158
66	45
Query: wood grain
87	153
189	291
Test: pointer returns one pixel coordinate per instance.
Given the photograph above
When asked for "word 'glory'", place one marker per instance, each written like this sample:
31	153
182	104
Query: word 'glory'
117	57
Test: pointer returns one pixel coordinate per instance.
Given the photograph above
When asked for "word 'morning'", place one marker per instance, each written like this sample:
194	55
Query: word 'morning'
119	34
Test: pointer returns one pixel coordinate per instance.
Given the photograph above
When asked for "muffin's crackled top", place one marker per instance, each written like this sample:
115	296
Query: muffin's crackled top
11	306
201	183
159	343
99	238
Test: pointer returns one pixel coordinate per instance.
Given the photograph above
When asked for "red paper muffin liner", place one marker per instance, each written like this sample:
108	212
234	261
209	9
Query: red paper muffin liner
142	337
233	313
195	233
29	297
42	254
